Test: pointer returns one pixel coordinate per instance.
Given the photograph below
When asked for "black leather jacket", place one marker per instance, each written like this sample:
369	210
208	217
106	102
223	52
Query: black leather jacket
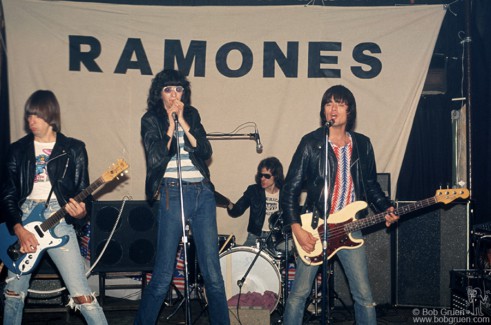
154	125
255	199
306	172
67	170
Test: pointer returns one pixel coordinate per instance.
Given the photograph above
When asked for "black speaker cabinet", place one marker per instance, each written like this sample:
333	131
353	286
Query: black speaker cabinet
428	246
132	248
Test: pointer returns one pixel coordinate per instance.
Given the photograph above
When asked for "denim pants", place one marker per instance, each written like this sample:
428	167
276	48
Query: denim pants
354	262
69	262
200	211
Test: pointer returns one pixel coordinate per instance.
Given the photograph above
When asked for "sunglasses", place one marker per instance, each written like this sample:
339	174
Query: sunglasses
267	176
169	89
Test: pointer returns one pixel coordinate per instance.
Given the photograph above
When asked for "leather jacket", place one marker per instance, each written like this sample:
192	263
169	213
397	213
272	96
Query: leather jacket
306	172
67	169
154	125
255	199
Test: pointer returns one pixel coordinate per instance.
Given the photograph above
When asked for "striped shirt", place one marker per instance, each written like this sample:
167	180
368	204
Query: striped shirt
343	192
189	172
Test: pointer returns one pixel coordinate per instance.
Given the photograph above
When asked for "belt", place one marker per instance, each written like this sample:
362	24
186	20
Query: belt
175	184
37	200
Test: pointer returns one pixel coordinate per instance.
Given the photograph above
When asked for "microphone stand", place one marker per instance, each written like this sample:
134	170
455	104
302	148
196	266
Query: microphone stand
241	281
185	236
225	136
327	208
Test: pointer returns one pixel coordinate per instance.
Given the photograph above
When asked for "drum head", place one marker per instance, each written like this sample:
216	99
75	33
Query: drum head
262	285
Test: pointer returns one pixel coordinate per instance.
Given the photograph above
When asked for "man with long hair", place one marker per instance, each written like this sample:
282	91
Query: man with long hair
353	176
169	98
46	167
262	198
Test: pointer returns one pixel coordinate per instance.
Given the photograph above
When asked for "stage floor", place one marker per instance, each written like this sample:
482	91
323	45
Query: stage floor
122	312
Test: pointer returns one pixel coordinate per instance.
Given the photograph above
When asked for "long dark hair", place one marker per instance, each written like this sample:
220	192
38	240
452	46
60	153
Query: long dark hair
276	169
340	94
43	104
164	78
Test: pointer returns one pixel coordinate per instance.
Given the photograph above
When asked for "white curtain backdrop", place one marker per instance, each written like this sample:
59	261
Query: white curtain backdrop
381	53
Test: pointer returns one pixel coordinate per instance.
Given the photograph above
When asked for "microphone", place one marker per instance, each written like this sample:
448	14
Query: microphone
329	123
259	146
174	116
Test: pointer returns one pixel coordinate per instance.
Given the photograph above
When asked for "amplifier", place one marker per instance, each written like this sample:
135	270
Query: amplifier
468	291
460	280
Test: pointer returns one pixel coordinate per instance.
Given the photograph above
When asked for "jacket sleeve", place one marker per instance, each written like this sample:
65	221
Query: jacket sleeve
203	148
375	196
10	193
290	194
242	204
155	145
81	181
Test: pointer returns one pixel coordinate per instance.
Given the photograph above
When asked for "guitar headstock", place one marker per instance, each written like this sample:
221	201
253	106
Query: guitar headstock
117	168
450	194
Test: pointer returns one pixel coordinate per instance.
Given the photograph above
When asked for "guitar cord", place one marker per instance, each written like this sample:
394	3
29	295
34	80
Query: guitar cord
87	274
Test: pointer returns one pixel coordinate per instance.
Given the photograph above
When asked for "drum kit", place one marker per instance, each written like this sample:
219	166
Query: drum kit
257	277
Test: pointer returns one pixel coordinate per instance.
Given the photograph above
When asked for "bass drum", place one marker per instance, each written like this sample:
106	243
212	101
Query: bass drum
262	285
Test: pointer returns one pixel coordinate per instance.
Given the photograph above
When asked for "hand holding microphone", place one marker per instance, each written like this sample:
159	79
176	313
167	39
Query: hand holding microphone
176	110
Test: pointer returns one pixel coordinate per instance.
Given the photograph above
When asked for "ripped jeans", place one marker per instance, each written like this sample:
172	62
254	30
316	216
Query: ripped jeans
71	267
355	266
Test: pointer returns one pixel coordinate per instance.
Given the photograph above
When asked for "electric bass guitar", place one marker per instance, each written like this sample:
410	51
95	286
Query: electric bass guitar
342	223
43	229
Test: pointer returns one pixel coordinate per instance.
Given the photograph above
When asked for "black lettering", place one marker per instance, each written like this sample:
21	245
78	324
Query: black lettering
316	59
221	59
133	45
76	57
374	63
288	64
175	54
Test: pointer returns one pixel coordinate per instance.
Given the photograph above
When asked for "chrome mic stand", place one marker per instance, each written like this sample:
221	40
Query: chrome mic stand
185	237
327	208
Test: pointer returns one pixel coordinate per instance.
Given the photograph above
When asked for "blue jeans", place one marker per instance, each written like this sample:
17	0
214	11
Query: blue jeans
71	267
200	211
354	262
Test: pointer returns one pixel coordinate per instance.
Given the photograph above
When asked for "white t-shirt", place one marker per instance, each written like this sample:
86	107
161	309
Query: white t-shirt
272	206
42	186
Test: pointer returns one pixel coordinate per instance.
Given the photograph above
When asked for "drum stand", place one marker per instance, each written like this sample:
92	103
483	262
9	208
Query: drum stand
262	245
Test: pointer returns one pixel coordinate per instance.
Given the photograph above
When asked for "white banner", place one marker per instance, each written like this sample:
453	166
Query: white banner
268	65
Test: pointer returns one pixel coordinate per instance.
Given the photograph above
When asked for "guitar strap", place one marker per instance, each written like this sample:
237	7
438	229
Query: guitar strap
52	187
49	197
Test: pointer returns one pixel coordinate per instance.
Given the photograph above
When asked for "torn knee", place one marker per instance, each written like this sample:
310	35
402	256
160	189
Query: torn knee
13	294
370	305
83	300
76	302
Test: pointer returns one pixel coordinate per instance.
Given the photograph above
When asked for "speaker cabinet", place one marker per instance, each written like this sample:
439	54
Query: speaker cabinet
428	245
132	248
